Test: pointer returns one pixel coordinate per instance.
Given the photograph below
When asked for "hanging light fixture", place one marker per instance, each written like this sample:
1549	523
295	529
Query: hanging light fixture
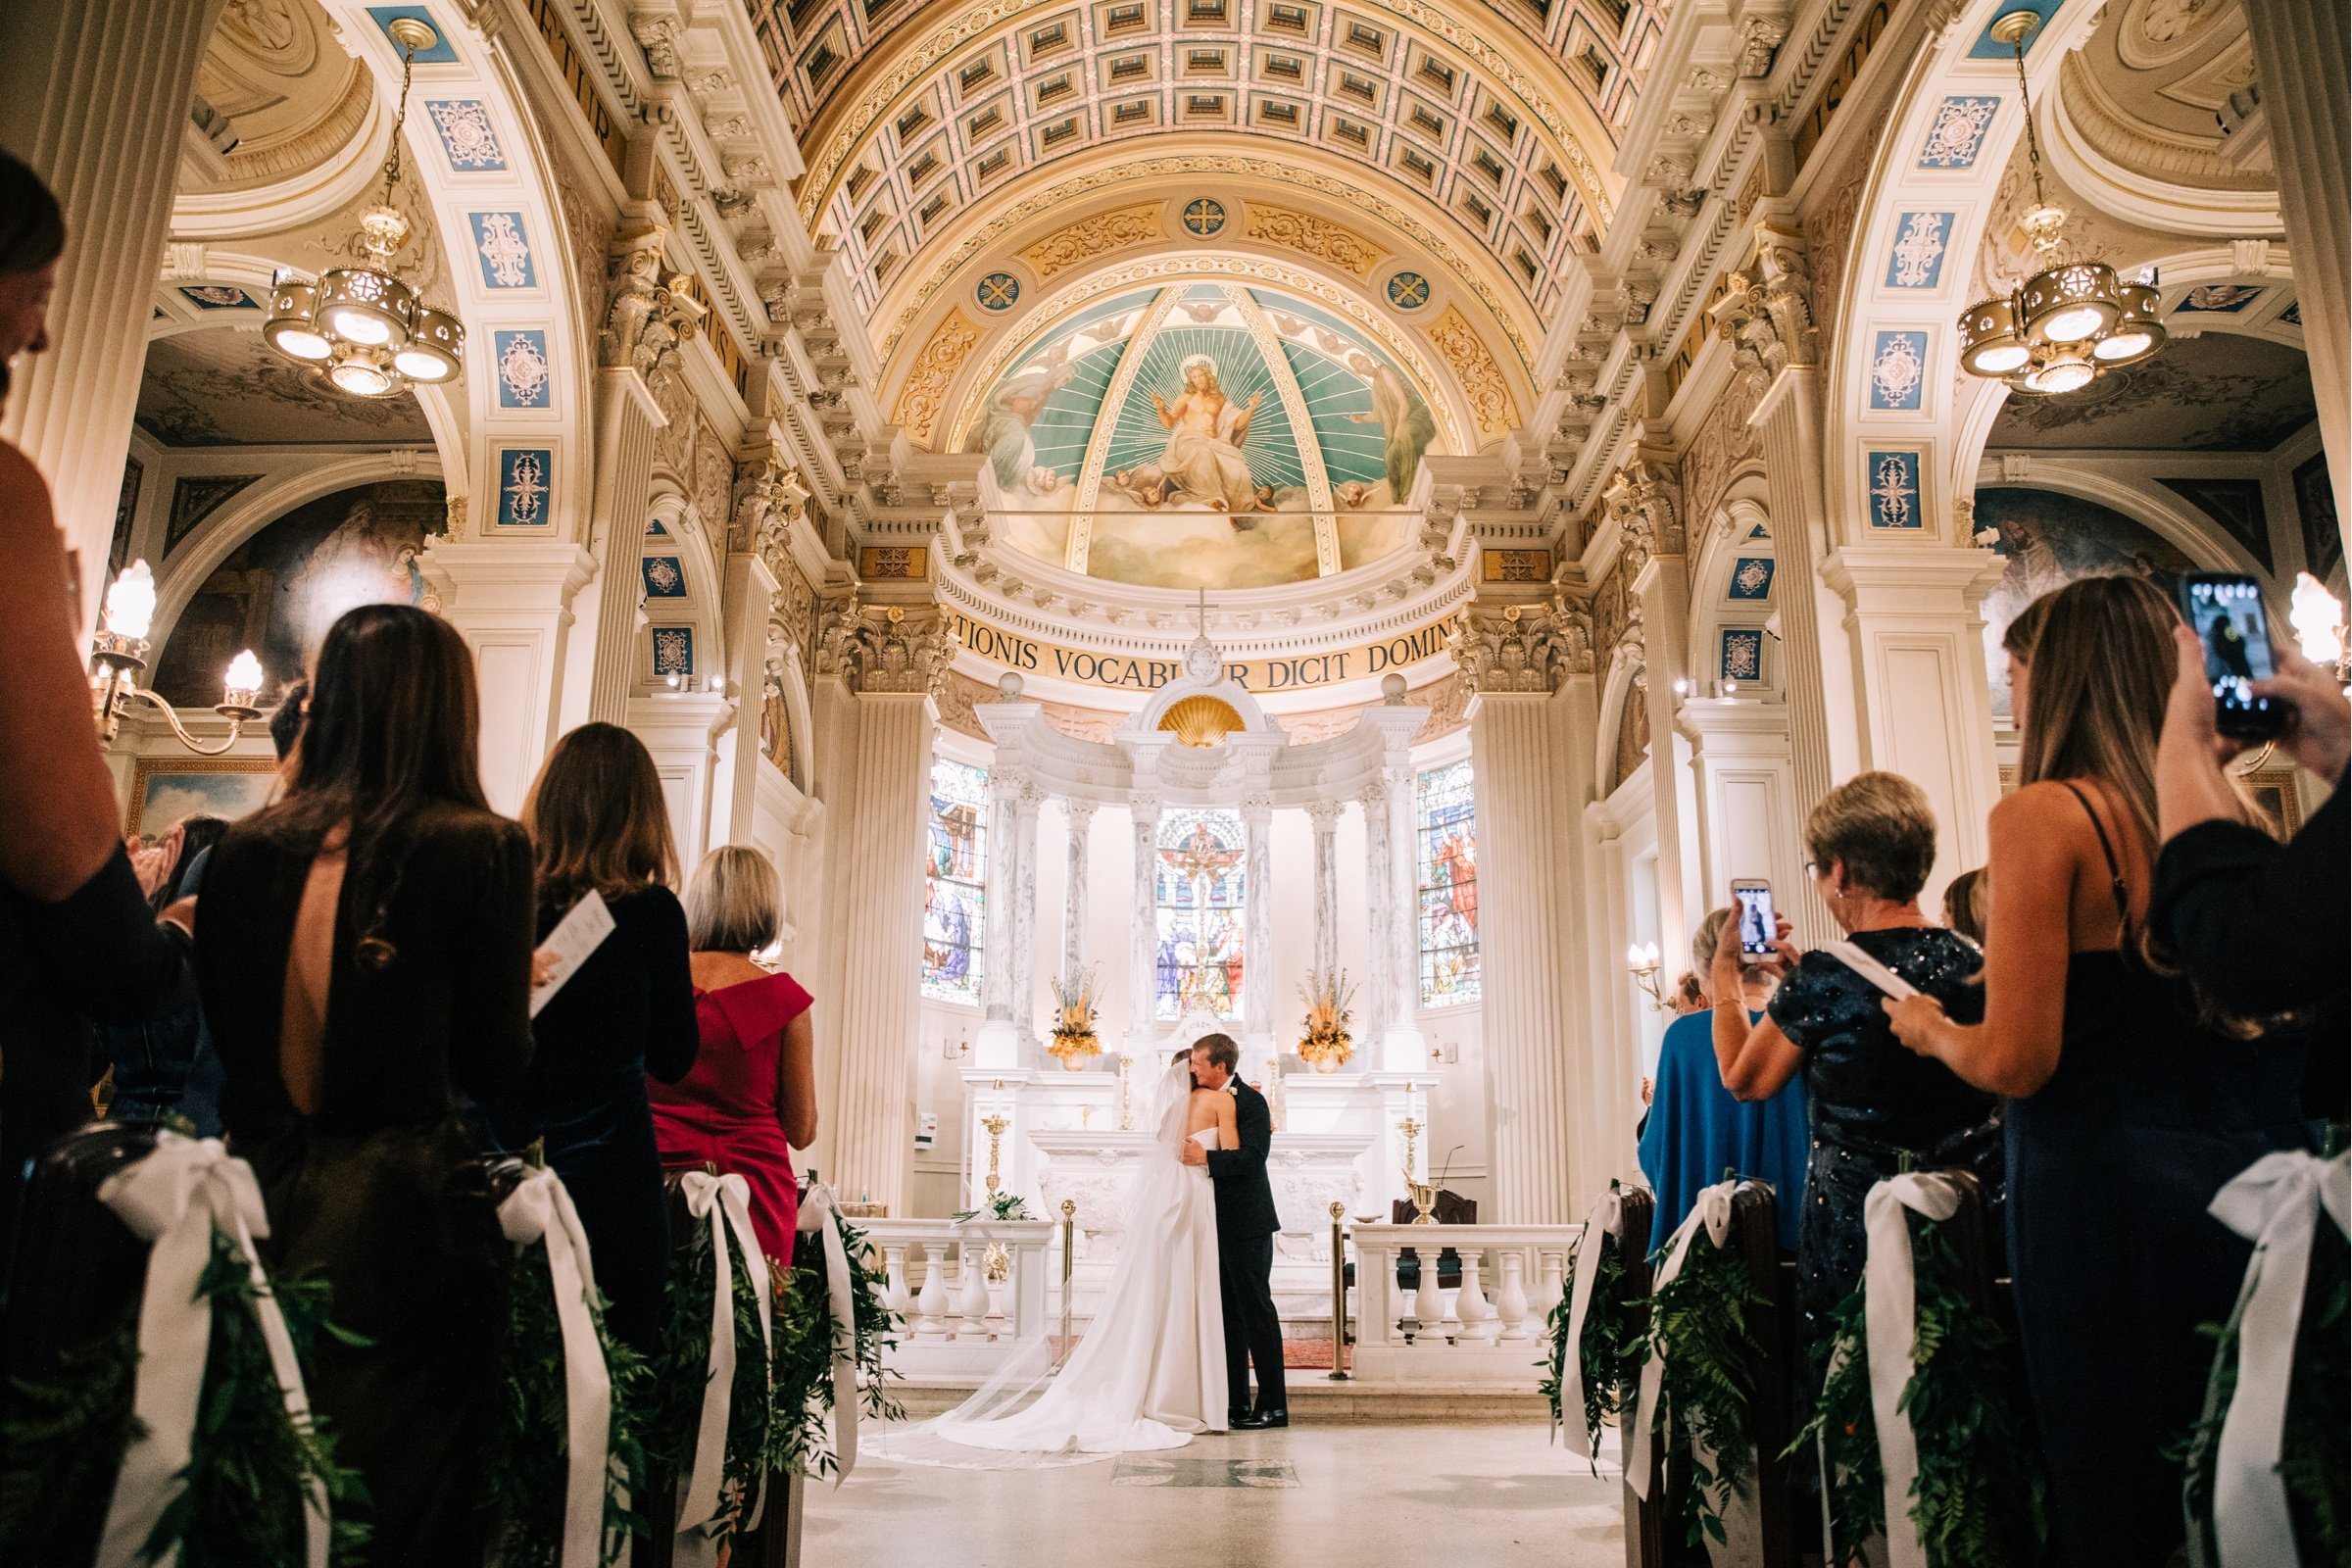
119	652
2071	321
361	328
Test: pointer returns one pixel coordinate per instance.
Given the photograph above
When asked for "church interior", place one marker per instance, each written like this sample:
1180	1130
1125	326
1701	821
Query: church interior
1342	526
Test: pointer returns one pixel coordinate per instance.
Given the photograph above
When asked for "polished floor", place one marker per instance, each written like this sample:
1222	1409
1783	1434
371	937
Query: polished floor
1347	1495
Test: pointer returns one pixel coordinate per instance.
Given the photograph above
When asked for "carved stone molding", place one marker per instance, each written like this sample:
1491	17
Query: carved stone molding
1520	649
1315	236
1090	237
926	388
1644	499
645	318
1760	40
886	651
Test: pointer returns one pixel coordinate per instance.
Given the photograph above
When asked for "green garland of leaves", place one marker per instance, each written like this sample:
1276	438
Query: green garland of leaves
804	1366
2315	1455
245	1501
1609	1358
1979	1497
526	1449
677	1406
1699	1322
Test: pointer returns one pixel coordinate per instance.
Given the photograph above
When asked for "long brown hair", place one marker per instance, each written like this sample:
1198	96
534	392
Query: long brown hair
2103	672
597	818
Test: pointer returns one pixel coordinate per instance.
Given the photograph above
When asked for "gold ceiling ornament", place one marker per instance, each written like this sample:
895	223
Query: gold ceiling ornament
2069	322
1201	721
364	329
1475	370
926	387
1090	237
1319	237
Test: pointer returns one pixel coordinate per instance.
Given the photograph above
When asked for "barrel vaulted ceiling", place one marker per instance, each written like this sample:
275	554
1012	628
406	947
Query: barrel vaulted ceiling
1492	123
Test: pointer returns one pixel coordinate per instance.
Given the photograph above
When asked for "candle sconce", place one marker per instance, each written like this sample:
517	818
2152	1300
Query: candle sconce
119	653
1642	962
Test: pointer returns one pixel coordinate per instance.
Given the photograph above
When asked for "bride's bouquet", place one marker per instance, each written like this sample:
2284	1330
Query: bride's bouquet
1327	1043
1074	1038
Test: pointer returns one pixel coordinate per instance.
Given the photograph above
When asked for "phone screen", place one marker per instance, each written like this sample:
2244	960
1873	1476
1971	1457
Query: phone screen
2225	610
1752	902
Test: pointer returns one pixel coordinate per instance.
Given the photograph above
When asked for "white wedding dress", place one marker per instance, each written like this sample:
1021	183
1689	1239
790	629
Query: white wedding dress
1151	1369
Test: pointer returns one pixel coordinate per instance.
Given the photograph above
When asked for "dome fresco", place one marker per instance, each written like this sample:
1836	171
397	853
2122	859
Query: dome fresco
1203	435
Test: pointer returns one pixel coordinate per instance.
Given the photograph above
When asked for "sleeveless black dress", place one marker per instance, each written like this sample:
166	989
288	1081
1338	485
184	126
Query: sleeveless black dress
2116	1261
1875	1101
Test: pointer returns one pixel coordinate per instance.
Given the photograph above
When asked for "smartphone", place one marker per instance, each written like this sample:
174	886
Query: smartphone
1752	907
2224	609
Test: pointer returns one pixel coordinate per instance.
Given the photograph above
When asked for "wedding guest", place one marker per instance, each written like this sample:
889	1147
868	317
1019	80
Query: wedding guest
1964	901
79	942
366	960
2016	649
167	1065
1696	1130
750	1099
2263	929
599	825
1876	1106
2125	1112
285	719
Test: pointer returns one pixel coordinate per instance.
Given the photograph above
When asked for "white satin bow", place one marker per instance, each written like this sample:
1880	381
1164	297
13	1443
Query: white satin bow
2276	1203
1713	1209
1607	1219
1890	1318
819	1211
726	1202
540	1210
176	1197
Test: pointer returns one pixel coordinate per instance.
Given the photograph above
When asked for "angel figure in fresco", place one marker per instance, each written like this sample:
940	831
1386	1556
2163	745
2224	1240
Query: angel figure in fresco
1406	423
1203	461
1003	434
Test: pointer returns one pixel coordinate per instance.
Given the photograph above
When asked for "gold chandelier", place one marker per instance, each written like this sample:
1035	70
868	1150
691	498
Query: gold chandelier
2073	321
360	325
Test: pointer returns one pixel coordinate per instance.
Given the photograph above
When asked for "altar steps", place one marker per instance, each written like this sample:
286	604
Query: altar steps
1315	1399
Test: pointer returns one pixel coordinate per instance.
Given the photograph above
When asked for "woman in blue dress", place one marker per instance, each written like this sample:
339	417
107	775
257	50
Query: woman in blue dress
1696	1130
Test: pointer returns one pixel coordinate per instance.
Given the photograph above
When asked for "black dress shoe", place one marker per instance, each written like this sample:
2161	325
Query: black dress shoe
1262	1420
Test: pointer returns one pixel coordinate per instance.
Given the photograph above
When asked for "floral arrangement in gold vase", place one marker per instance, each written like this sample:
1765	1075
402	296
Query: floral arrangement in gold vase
1327	1043
1074	1038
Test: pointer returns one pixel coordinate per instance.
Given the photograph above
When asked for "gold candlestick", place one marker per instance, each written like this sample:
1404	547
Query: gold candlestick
1126	1103
995	1122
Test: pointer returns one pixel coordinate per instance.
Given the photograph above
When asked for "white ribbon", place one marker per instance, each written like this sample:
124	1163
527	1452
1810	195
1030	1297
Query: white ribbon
727	1200
819	1211
540	1210
1713	1209
1607	1219
1890	1327
2274	1203
176	1198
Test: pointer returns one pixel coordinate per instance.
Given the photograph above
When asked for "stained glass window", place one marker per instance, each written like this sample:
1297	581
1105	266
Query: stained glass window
1446	835
1199	893
955	877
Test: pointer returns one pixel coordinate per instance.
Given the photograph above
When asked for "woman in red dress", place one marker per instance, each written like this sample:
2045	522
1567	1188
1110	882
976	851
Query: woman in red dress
750	1099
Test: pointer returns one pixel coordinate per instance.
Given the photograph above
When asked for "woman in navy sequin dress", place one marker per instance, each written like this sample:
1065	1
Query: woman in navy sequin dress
1875	1104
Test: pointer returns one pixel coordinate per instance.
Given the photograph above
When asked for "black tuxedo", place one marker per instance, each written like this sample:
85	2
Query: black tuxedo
1245	1227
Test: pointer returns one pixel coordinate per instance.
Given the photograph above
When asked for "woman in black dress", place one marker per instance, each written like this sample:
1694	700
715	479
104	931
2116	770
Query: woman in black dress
599	825
1873	843
364	958
2127	1112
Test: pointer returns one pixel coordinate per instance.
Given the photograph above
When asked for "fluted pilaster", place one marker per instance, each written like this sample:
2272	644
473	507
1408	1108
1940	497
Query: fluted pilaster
1080	814
1258	922
1323	816
626	419
1143	921
1024	913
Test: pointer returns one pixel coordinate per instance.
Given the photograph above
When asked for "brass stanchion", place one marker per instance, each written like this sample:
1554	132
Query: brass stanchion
1338	1294
1069	1262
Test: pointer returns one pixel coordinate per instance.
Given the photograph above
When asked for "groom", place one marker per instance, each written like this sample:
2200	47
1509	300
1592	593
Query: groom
1245	1227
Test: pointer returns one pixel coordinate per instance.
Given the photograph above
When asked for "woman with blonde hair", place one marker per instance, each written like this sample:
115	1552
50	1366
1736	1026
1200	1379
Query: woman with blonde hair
2126	1113
599	825
750	1099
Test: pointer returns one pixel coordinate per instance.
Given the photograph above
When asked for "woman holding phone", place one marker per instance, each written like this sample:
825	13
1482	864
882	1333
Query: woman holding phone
1875	1105
2127	1112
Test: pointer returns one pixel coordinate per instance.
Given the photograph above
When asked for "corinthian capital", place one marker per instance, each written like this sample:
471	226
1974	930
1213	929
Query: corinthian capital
1520	649
1645	501
890	650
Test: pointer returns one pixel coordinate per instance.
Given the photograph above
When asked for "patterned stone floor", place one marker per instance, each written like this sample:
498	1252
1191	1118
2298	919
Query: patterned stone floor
1309	1496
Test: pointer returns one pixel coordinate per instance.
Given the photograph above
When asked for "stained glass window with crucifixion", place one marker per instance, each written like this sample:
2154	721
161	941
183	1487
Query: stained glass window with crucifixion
954	882
1200	894
1446	832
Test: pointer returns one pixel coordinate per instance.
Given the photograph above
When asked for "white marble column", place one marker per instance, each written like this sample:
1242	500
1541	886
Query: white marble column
1378	880
681	731
1325	816
999	1046
1749	811
2299	51
1399	930
1143	923
1258	927
1663	589
1024	916
626	419
882	935
750	593
94	95
1079	815
512	599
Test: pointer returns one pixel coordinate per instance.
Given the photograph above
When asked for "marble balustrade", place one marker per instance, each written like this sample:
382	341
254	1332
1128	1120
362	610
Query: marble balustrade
1486	1331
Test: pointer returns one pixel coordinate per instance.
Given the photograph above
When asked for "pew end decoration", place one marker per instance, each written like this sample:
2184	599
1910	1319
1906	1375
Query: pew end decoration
1326	1045
1597	1330
180	1428
2267	1459
1920	1424
1074	1042
816	1359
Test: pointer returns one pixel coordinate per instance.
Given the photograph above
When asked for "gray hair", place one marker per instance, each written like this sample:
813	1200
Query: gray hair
732	902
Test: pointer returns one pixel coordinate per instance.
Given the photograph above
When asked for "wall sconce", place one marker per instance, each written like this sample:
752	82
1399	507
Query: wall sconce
1642	962
119	652
2319	621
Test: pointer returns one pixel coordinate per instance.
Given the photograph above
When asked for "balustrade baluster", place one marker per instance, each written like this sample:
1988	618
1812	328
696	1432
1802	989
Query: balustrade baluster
931	1305
895	1294
1471	1305
1510	1305
971	1297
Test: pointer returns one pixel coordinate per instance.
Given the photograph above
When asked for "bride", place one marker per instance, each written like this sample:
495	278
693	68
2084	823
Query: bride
1150	1370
